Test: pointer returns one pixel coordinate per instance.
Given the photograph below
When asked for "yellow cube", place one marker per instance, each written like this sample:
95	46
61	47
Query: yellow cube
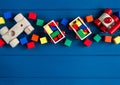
117	40
48	29
78	23
2	20
43	40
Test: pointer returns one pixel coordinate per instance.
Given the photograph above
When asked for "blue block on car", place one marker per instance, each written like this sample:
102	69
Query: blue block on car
53	28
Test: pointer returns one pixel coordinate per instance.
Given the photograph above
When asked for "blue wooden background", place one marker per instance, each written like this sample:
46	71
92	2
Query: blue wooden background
56	64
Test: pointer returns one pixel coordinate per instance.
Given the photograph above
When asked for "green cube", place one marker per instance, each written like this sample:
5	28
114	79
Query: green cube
68	42
54	34
97	38
39	22
81	33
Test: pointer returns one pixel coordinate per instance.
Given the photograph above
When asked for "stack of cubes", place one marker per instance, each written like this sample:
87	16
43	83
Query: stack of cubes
80	28
54	31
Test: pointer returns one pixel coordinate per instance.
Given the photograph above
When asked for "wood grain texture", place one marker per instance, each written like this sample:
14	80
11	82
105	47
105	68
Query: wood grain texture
56	64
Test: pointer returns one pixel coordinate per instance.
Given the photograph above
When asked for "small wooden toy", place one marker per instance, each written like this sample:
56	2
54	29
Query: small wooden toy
80	28
10	36
108	23
54	32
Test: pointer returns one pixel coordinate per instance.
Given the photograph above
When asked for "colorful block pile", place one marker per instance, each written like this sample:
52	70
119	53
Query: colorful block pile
54	32
80	28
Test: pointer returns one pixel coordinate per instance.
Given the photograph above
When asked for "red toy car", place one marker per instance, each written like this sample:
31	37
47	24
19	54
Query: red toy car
108	22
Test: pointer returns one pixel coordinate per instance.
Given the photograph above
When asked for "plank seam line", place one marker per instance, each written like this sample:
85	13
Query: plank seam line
59	55
59	9
30	77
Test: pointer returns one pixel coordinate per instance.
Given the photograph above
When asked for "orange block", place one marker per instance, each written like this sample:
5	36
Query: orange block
35	37
89	18
108	39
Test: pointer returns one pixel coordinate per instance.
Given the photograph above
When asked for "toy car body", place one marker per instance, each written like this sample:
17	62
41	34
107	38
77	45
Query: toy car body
108	22
54	32
10	36
81	30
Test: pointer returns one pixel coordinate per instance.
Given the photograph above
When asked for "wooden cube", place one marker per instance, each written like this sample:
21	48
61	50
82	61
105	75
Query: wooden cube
89	18
35	38
43	40
117	40
108	39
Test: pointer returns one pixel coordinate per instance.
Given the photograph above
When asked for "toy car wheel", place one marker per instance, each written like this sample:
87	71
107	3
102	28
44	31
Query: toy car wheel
14	42
108	11
70	28
63	32
3	30
77	37
28	30
51	40
18	17
103	29
97	22
116	19
45	32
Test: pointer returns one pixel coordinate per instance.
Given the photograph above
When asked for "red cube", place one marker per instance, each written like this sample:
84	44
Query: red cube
30	45
32	16
87	42
2	43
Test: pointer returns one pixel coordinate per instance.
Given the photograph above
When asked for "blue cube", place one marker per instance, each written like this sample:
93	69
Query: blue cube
53	28
64	21
23	40
7	15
